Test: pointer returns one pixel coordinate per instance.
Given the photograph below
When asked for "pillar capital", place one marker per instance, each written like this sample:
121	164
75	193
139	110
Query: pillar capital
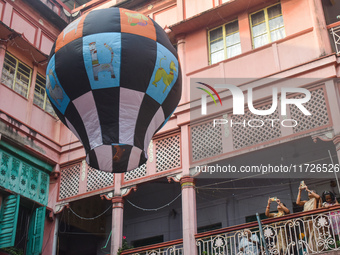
180	38
117	202
187	182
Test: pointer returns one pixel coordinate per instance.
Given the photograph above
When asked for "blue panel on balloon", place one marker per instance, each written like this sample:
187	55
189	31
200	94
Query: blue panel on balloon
164	76
54	90
102	57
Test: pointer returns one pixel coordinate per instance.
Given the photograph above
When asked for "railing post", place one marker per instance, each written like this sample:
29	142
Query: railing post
262	234
336	39
189	216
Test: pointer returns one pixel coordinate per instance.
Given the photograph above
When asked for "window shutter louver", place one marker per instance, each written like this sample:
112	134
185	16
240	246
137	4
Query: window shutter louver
8	220
36	232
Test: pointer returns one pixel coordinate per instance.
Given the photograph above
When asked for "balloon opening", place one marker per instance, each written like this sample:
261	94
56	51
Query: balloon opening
115	158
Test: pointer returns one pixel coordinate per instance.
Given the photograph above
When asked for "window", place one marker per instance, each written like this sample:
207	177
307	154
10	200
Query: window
209	227
224	42
13	234
148	241
16	75
267	25
40	95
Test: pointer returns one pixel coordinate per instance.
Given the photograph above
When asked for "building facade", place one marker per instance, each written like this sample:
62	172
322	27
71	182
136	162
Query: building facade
60	205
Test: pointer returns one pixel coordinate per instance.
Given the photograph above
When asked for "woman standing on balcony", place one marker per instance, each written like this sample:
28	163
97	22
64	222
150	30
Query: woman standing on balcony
281	208
310	204
281	233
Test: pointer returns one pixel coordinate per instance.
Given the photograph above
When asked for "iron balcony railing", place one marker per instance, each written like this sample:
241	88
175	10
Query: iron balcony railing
167	248
313	232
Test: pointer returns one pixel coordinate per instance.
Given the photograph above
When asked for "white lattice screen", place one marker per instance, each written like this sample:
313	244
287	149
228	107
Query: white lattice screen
69	181
98	179
206	141
316	106
246	135
168	155
135	173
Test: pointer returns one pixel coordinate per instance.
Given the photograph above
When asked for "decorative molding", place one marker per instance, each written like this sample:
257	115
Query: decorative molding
126	191
54	175
325	136
60	207
107	196
175	178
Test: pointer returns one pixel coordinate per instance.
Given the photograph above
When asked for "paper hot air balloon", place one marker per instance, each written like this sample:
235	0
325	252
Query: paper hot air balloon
114	79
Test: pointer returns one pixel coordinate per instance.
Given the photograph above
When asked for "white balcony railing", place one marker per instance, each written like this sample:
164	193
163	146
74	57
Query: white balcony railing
313	232
293	234
166	248
335	33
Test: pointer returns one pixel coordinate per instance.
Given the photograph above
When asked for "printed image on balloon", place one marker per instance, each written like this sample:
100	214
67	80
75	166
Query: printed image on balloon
114	79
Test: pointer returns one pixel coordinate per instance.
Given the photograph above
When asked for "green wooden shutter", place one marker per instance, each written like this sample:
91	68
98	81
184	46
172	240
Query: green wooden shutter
36	232
8	220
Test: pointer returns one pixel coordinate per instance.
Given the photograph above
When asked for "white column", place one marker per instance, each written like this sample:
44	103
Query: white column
117	224
189	215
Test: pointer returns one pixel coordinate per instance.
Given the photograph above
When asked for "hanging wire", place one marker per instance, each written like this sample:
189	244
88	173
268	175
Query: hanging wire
255	175
91	218
241	188
153	209
13	42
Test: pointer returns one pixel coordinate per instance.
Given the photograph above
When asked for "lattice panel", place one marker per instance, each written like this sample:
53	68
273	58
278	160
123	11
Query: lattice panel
98	179
135	173
316	106
69	181
168	155
206	141
256	128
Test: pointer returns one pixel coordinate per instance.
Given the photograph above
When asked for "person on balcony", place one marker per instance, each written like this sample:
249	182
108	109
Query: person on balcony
281	233
249	243
281	208
329	200
312	203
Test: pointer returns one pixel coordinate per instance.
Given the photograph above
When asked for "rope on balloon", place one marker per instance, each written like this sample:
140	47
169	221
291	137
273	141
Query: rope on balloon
153	209
92	218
